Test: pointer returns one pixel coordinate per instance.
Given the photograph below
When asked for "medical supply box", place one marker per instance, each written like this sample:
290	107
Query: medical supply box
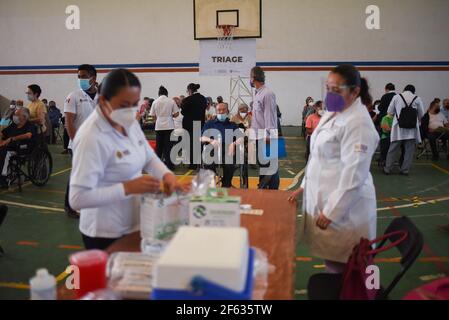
215	209
205	263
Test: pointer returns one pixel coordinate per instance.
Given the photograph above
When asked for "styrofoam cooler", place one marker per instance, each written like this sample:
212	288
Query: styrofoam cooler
205	263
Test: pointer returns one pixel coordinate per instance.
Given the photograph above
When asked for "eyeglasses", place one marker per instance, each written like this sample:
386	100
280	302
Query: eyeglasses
337	89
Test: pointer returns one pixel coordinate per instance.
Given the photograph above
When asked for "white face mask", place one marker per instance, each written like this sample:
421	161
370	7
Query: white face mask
311	104
124	116
243	114
12	106
320	113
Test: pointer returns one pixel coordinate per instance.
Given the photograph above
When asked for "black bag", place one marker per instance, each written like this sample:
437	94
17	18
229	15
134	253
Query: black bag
409	115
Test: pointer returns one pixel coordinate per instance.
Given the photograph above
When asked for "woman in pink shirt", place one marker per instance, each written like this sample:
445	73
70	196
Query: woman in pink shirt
312	122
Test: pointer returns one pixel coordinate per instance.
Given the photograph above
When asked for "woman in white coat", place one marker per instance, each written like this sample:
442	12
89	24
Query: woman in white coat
339	200
110	154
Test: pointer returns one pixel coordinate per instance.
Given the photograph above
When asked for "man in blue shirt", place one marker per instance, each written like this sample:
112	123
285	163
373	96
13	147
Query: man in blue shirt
220	125
445	109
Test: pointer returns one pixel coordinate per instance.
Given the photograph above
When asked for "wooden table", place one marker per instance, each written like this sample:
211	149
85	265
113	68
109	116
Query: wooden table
274	232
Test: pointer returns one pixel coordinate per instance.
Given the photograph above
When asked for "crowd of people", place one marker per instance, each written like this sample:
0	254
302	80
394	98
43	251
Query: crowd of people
402	122
193	114
104	133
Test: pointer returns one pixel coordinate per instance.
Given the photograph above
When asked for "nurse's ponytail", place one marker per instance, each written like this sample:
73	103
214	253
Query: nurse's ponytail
116	80
353	79
365	96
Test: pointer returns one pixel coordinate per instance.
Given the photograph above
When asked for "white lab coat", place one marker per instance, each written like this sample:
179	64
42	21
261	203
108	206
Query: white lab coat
338	183
103	159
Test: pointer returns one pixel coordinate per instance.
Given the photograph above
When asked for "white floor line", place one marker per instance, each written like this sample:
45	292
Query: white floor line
24	205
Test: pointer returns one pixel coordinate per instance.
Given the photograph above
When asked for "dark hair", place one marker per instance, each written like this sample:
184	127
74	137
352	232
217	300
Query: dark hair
192	87
44	100
432	104
219	99
35	89
390	87
89	68
163	91
410	88
146	98
318	103
353	79
258	74
116	80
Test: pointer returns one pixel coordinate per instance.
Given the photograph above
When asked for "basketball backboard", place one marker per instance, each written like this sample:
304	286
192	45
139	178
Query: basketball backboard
244	15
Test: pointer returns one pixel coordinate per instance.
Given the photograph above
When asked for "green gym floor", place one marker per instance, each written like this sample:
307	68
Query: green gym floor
36	233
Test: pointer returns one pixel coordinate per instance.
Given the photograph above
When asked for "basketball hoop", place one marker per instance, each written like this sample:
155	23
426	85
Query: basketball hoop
225	36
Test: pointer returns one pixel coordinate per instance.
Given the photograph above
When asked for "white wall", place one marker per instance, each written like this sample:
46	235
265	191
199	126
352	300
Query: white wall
161	31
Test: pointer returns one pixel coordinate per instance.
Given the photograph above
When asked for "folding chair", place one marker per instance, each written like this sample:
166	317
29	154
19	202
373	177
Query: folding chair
327	286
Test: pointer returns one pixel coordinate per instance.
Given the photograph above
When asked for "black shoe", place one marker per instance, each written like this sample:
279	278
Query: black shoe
444	228
403	173
72	213
386	172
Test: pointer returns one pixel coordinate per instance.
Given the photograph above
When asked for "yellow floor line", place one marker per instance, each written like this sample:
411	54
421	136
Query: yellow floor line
23	286
27	184
296	179
61	276
14	285
415	204
439	168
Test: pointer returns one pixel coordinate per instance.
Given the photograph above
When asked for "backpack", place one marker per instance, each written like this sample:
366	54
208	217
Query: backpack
355	275
409	115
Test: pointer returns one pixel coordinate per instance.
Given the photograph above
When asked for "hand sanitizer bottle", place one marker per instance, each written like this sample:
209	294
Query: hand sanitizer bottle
43	286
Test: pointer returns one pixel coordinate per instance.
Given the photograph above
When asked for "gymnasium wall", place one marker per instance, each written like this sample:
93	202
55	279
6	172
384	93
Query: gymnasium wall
301	41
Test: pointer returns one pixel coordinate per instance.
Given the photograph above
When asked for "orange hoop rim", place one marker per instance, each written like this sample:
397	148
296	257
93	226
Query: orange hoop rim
226	29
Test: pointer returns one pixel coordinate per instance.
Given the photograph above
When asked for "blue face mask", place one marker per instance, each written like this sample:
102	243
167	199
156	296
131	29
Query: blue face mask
84	84
334	102
222	117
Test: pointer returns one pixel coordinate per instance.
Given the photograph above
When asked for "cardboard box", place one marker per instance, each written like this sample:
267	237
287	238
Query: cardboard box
214	210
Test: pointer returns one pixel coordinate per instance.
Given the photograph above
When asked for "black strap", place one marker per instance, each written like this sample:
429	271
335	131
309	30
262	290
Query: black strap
406	105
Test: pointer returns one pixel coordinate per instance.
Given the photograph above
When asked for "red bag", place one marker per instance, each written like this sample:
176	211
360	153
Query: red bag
354	276
436	290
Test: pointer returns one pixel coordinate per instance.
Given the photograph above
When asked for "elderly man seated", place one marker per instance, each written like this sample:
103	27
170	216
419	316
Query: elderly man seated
243	117
16	138
220	124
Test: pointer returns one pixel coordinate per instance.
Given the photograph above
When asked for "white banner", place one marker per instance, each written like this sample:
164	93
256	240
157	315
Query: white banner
237	60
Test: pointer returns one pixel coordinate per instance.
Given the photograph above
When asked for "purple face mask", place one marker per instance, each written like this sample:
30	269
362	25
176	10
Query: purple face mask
334	102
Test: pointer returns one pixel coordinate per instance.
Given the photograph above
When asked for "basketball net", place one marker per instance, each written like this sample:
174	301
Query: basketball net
225	36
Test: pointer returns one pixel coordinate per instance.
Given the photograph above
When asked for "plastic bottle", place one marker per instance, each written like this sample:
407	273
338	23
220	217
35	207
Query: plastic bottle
43	286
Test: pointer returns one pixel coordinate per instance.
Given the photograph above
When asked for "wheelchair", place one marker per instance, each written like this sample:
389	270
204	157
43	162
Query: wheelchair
34	164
